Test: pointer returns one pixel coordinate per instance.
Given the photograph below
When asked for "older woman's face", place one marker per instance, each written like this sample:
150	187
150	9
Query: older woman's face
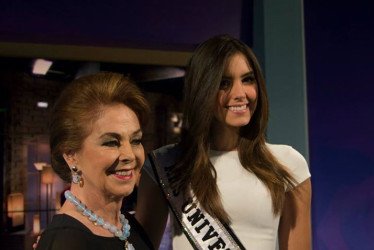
112	155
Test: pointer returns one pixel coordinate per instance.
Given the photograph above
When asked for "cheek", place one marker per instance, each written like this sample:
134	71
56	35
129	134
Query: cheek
252	93
104	155
253	98
99	158
221	99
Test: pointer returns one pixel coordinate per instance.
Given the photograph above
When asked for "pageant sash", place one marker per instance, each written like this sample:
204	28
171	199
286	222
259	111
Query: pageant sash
202	230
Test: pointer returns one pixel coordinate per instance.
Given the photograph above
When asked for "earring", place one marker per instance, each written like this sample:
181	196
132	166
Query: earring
81	181
75	176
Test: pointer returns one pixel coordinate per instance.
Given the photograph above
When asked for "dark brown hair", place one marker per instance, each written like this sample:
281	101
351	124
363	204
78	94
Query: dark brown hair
80	104
202	82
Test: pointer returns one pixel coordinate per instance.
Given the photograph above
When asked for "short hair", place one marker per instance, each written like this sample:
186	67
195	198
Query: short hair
79	106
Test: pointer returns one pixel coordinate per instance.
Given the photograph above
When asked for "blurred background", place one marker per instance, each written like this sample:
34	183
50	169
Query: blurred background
318	62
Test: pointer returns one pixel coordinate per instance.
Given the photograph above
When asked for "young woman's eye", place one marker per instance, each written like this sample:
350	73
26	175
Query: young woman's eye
136	142
249	80
113	143
224	84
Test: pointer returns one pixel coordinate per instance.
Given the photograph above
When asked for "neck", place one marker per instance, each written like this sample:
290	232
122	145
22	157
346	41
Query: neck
104	206
224	138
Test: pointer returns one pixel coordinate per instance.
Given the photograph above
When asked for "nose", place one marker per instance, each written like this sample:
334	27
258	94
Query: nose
126	153
237	91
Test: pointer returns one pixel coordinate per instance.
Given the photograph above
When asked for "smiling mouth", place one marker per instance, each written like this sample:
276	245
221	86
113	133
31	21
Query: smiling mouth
123	173
238	108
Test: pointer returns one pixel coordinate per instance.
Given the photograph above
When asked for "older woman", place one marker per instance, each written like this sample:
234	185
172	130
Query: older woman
96	133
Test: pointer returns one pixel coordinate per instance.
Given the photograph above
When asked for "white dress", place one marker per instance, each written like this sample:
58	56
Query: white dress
247	200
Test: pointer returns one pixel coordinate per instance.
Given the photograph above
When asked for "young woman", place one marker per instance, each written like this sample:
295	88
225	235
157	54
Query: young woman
96	145
226	187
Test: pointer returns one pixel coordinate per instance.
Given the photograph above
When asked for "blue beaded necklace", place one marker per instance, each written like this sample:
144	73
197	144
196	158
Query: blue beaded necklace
122	234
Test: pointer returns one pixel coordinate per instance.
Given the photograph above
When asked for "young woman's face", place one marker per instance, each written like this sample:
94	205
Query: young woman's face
112	155
237	97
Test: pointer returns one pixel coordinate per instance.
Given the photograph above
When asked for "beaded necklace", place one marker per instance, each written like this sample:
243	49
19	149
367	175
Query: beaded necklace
122	234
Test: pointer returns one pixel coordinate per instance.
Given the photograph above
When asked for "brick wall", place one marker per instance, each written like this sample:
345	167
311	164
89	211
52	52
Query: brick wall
26	123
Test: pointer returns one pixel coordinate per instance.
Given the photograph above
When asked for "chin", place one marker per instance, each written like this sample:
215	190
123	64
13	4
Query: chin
128	192
238	123
121	192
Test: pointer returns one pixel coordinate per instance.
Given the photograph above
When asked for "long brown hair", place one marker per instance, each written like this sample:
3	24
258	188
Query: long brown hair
79	105
195	170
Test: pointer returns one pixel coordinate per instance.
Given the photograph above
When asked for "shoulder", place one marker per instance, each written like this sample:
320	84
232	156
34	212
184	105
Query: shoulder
61	230
287	155
292	159
167	153
64	221
165	156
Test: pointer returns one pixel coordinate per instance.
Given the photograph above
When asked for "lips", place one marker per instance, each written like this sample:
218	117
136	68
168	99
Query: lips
238	108
123	174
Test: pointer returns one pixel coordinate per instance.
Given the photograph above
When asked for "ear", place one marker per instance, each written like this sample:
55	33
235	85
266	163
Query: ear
70	158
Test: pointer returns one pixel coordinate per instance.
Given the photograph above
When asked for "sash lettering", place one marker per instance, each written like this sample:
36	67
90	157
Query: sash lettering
194	215
210	234
185	205
217	244
205	223
202	230
194	218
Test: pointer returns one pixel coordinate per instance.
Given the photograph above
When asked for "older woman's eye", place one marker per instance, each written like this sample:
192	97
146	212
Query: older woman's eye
113	143
136	142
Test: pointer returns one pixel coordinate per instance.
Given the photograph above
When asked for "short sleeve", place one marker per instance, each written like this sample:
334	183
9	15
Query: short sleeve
293	160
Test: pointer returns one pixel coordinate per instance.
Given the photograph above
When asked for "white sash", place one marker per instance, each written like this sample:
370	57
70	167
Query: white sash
202	230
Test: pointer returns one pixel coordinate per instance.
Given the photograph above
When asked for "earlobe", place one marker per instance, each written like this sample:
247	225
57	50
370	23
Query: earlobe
70	158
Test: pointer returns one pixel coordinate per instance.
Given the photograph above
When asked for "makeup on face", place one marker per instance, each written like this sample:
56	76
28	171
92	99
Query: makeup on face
112	155
237	95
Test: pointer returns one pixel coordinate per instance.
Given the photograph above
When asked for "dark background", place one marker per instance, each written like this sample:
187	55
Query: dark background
339	58
339	42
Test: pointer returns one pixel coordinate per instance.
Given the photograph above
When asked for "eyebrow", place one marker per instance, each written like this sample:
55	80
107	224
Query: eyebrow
118	136
249	73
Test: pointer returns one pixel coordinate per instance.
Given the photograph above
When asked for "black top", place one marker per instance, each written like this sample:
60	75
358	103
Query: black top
65	232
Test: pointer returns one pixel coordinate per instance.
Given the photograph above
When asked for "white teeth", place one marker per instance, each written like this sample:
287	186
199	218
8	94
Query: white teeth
238	108
123	173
